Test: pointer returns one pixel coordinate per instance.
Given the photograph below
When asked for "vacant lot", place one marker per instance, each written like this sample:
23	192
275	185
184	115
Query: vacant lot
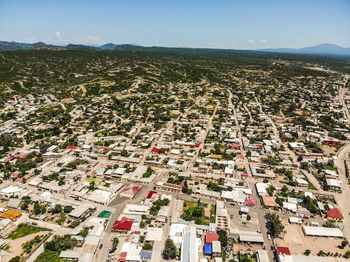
297	242
25	230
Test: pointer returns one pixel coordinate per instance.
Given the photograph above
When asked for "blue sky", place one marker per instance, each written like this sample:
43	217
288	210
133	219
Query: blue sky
242	24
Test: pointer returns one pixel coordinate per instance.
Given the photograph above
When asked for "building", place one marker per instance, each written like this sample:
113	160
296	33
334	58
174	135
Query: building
123	225
322	232
189	247
130	191
335	214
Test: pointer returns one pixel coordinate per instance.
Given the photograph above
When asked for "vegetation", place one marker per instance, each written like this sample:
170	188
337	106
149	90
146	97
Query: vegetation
25	230
274	224
170	251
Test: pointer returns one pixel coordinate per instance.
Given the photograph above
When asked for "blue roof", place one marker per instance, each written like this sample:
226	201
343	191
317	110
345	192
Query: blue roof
208	249
145	254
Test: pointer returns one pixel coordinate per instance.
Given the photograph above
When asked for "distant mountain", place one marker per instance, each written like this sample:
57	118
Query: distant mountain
8	46
323	49
74	46
11	46
109	46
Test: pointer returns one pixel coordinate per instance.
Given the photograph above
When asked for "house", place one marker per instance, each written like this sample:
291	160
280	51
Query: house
130	191
123	225
210	237
269	201
334	214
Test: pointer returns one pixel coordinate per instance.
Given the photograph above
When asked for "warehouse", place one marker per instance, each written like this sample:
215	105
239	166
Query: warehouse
322	232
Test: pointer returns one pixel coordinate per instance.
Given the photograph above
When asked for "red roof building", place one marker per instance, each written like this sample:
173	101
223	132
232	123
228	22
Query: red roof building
151	194
130	191
235	146
123	256
335	213
244	174
72	147
250	201
283	251
124	224
158	150
269	201
210	237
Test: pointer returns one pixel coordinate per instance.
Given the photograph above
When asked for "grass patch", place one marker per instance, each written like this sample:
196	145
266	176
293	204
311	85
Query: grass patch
25	230
93	179
189	205
51	256
195	212
311	186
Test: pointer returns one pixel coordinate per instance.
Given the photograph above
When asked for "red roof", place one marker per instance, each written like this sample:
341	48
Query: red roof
156	150
249	202
14	174
123	256
159	150
21	156
123	224
130	190
335	213
235	146
72	147
151	194
244	174
283	251
210	237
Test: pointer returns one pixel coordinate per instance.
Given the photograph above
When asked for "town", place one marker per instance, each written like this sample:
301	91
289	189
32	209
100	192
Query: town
122	156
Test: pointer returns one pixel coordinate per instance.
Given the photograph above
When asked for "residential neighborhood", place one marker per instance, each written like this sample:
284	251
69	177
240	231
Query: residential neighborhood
161	159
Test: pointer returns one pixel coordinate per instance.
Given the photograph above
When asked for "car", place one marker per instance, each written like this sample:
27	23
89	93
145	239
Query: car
268	237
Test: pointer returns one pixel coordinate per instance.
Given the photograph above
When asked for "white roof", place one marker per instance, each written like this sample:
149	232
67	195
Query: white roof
154	234
11	190
263	256
322	231
290	206
69	254
261	188
256	237
216	245
333	182
295	220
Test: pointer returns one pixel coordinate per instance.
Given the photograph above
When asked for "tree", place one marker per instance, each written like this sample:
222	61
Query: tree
343	244
147	246
307	252
92	186
223	237
115	242
274	224
84	232
170	251
59	243
39	209
67	209
15	259
57	209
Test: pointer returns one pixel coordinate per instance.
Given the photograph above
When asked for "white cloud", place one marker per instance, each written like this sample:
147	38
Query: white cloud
263	41
251	41
58	36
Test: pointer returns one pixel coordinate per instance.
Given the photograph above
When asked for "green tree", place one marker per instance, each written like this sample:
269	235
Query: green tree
67	209
274	224
170	251
223	237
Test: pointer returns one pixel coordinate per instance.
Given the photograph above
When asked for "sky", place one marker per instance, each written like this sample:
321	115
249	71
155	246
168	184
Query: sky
236	24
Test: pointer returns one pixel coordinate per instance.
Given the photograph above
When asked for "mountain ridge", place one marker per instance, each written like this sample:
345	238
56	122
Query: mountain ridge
321	49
